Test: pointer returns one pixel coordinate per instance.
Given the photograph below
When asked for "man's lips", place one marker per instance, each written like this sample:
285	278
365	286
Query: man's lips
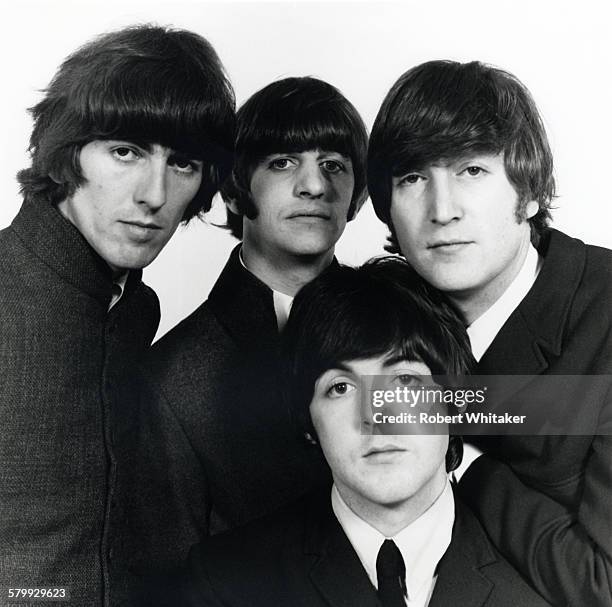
310	215
148	225
141	231
383	450
448	244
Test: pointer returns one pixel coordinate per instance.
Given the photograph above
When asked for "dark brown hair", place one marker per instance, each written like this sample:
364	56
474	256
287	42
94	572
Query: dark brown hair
145	84
444	110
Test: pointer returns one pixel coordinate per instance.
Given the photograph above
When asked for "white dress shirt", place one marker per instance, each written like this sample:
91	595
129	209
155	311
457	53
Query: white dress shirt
282	308
483	330
422	543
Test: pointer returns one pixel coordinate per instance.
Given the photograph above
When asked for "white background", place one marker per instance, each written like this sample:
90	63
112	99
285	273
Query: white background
560	50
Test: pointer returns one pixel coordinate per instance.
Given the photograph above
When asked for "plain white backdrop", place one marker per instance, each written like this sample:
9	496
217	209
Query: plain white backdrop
560	50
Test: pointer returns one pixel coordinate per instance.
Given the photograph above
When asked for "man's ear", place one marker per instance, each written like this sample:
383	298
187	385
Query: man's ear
54	177
232	205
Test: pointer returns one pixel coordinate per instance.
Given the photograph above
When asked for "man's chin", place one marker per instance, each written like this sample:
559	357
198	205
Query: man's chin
449	280
391	497
125	263
311	247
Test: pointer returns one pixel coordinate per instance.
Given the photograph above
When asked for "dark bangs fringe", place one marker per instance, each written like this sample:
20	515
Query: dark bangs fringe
306	127
382	308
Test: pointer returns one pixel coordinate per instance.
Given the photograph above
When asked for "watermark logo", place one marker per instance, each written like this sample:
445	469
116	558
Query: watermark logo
492	404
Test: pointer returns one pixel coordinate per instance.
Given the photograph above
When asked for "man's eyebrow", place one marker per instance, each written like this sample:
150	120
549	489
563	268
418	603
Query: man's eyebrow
441	162
404	170
338	366
326	151
147	146
393	359
186	154
277	153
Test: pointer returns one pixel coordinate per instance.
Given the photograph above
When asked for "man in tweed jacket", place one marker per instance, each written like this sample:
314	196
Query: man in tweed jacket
127	142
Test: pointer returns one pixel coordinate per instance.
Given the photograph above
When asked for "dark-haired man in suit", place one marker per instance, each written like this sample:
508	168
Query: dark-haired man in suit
460	170
124	148
217	445
390	532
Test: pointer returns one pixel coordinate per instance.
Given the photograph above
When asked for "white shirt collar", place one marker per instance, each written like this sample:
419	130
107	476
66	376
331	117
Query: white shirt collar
282	301
422	543
282	308
118	287
483	330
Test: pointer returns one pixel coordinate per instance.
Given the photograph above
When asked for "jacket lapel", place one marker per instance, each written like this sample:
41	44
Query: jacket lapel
534	332
337	573
535	328
461	580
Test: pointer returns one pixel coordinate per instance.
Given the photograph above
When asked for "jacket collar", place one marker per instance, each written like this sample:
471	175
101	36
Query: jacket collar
61	247
243	304
536	327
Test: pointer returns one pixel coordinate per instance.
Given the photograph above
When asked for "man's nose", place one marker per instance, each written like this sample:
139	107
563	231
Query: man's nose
153	185
310	182
443	203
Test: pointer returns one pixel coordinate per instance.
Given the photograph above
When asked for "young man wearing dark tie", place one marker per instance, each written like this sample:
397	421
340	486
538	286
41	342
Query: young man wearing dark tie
390	531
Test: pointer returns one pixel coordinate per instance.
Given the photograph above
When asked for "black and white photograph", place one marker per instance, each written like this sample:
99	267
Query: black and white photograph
305	304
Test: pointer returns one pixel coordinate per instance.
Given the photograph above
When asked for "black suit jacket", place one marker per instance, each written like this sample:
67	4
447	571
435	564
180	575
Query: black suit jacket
302	558
215	444
62	358
546	502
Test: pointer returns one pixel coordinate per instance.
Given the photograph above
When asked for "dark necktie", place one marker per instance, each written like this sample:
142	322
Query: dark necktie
391	574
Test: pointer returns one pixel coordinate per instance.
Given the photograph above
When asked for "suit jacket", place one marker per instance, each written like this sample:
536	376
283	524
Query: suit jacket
215	444
546	501
302	558
62	355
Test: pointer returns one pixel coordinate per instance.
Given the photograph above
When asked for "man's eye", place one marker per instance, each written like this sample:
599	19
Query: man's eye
340	389
125	154
410	179
474	171
280	164
406	379
184	165
332	166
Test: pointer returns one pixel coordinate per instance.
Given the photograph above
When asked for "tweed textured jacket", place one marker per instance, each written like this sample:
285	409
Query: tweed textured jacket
546	502
302	558
61	356
216	447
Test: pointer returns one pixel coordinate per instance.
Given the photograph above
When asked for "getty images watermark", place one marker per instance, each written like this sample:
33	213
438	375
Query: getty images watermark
491	404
